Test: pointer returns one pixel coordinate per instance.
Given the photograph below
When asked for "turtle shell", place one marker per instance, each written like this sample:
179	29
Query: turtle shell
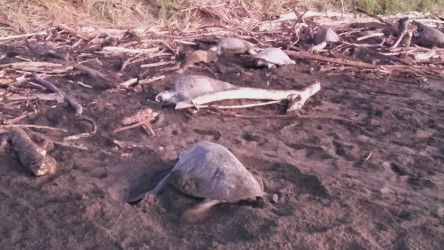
209	170
233	45
189	86
275	56
325	34
429	36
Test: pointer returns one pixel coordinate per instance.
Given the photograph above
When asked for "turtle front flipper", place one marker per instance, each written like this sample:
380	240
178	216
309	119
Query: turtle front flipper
199	212
156	190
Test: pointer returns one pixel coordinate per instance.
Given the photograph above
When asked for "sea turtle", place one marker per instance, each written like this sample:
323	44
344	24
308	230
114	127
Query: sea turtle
210	171
233	46
324	36
186	87
429	36
271	57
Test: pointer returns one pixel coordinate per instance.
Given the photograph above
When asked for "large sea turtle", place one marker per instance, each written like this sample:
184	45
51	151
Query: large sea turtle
233	45
271	57
210	171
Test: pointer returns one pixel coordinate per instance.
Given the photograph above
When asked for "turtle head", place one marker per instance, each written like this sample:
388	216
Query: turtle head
216	49
169	96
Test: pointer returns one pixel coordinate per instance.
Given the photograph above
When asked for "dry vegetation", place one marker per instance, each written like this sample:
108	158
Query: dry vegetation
33	15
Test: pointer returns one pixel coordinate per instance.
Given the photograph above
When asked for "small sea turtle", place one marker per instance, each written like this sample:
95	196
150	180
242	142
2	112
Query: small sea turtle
186	87
429	36
210	171
233	46
271	57
325	34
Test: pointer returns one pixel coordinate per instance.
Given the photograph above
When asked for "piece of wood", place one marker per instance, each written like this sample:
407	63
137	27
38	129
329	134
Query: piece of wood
92	72
375	17
30	155
73	32
71	100
5	38
306	55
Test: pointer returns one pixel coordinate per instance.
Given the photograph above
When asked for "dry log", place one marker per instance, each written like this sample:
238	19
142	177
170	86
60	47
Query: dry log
30	155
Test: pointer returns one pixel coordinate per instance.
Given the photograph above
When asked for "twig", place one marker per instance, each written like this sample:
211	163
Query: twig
18	118
85	37
378	34
44	137
369	155
32	126
375	17
296	22
150	80
128	83
71	100
129	126
150	65
115	49
92	72
5	38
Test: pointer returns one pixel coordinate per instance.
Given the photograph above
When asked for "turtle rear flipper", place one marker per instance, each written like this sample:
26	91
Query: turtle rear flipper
199	212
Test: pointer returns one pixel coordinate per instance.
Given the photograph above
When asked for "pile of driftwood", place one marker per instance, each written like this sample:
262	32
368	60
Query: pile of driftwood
408	46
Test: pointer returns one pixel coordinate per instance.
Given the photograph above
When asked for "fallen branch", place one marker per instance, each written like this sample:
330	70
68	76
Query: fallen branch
92	72
402	31
71	100
42	67
30	155
377	34
5	38
306	55
127	84
114	49
73	32
375	17
32	126
150	80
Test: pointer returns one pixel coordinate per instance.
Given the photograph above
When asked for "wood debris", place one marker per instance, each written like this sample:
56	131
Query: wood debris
31	156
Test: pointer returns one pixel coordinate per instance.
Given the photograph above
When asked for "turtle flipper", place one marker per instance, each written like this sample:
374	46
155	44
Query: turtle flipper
156	190
198	212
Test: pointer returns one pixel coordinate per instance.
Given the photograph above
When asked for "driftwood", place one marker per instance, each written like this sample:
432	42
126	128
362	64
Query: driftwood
403	29
306	55
41	67
92	72
141	118
71	100
377	18
31	156
73	32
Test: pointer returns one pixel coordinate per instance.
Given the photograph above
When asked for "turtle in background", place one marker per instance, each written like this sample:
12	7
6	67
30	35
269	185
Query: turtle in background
323	37
428	36
231	45
210	171
272	57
